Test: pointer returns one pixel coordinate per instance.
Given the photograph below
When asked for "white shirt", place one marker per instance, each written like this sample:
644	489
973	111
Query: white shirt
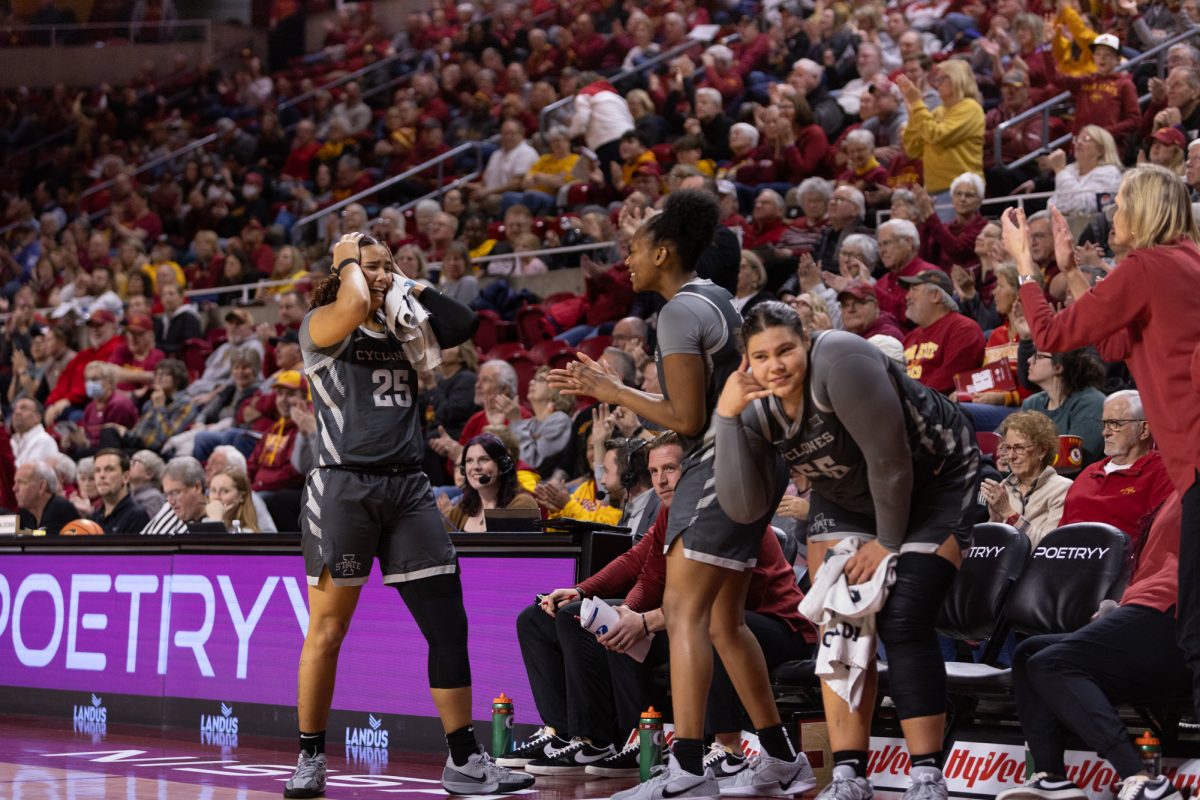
601	116
505	165
33	445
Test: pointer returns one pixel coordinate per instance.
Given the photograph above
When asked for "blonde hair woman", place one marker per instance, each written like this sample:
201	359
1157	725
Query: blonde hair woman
1096	171
948	139
230	500
1143	313
289	266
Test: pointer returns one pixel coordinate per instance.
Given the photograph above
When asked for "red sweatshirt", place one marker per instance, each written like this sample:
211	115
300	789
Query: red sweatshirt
1144	313
772	592
270	465
70	384
1155	581
935	354
1109	101
1121	498
947	245
890	292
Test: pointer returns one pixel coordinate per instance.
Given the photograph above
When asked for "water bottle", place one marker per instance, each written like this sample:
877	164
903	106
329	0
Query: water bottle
1150	749
502	725
650	742
235	526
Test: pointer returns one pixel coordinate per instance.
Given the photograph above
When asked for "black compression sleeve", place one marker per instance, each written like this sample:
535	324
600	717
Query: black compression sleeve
453	323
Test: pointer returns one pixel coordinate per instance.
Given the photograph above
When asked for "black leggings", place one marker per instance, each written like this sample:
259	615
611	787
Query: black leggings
436	604
1189	587
906	626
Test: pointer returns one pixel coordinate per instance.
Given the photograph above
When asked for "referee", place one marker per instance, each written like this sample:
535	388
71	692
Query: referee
367	498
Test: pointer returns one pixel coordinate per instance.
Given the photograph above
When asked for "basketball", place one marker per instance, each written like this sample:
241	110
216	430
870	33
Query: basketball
81	527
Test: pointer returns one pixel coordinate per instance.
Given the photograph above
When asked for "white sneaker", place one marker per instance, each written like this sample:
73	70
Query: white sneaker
772	777
847	788
1143	787
481	775
725	764
672	781
309	778
542	744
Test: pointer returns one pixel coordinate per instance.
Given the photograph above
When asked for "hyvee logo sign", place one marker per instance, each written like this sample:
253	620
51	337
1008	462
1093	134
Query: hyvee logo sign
90	718
367	744
219	730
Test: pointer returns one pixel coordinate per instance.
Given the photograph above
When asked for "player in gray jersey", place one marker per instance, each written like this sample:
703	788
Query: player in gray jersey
893	464
367	499
709	556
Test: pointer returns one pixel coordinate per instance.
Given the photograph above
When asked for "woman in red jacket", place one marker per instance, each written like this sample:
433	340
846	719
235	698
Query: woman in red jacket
1144	312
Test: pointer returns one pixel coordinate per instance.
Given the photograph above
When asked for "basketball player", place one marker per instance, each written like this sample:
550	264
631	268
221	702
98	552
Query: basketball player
710	558
893	464
368	499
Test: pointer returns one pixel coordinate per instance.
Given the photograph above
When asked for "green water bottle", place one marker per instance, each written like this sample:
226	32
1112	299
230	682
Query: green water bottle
1150	749
502	725
650	742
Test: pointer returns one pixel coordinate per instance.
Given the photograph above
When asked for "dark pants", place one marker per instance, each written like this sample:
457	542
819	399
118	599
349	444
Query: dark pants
1189	587
1069	683
607	154
568	673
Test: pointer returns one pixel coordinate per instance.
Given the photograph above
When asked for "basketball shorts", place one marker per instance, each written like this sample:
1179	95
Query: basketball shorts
351	518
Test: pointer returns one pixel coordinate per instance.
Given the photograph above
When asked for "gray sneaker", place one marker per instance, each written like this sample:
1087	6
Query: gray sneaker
927	785
847	788
481	775
672	781
771	777
309	778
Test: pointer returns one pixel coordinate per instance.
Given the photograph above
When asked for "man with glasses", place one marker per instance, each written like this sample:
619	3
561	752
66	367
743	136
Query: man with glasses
899	242
1127	486
847	209
861	313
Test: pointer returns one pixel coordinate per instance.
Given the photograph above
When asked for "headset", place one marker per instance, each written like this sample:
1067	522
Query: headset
633	453
504	465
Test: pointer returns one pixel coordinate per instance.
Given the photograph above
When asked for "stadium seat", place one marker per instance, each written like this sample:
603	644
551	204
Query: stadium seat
988	442
554	353
595	346
492	331
195	353
525	365
533	326
1069	458
506	351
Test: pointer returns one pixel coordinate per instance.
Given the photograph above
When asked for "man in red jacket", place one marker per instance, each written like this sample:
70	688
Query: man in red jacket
70	391
571	679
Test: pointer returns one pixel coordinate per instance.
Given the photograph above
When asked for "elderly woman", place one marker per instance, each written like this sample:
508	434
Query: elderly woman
545	435
551	172
862	170
1096	171
948	139
948	244
805	231
1031	497
752	277
904	206
1070	396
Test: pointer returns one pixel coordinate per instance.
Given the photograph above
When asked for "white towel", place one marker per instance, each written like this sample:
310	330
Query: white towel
408	321
847	613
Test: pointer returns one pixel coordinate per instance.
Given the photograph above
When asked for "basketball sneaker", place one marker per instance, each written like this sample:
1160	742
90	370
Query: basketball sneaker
625	764
309	778
846	786
771	777
925	783
481	775
1044	786
671	781
724	763
570	760
542	744
1143	787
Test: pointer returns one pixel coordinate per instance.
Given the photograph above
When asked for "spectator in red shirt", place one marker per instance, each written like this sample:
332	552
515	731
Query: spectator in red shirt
1131	482
863	170
1106	98
304	149
947	245
108	407
899	243
426	92
588	50
495	378
139	220
944	342
70	390
270	465
544	60
137	352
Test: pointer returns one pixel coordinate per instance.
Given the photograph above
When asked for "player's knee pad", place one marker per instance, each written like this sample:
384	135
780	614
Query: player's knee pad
906	626
437	606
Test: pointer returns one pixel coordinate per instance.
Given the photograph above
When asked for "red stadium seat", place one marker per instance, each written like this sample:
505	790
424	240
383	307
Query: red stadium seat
554	353
525	366
595	346
492	331
195	353
506	351
988	442
558	297
533	326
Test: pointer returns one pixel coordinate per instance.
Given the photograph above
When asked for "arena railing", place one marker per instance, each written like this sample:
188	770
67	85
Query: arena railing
152	164
81	34
438	163
1045	108
677	50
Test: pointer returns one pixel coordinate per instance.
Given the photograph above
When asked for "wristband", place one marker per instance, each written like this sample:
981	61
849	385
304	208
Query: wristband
645	627
1012	519
337	271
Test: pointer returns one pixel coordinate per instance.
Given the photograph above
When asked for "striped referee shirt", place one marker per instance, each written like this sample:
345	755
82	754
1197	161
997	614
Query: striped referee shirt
165	523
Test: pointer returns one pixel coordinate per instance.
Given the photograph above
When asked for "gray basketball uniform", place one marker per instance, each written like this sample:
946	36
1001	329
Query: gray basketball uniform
884	421
368	498
701	320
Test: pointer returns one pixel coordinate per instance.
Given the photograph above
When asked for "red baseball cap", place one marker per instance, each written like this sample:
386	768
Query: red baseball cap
1170	136
101	316
858	290
138	322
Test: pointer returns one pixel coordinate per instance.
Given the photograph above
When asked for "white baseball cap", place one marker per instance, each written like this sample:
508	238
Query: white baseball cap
1107	40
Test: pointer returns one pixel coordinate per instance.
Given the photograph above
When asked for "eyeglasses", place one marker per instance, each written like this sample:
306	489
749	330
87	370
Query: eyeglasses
1041	356
1015	449
1117	424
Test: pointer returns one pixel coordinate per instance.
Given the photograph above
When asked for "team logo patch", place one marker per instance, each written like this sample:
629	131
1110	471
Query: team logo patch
348	566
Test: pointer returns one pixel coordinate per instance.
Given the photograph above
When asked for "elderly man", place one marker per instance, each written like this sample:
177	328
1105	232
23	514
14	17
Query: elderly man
944	342
847	209
145	480
766	222
120	513
869	63
442	231
184	486
808	78
899	243
507	166
40	504
632	335
888	119
1130	483
71	391
710	123
861	313
30	442
218	367
495	379
1175	101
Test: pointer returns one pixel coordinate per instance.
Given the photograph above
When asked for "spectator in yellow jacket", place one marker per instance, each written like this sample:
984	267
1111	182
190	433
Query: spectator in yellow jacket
948	139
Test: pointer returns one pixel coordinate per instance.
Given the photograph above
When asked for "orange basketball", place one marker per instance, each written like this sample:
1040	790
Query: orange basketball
82	527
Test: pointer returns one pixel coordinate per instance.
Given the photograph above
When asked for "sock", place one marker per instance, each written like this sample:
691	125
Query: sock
690	755
849	764
312	743
935	760
462	744
777	743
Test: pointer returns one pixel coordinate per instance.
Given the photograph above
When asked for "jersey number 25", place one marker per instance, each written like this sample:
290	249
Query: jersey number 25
391	388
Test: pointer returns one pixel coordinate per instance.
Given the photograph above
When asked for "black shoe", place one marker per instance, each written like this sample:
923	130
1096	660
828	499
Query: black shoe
625	764
570	760
542	744
1044	786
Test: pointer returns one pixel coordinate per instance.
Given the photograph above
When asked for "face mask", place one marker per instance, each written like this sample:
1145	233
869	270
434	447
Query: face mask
94	389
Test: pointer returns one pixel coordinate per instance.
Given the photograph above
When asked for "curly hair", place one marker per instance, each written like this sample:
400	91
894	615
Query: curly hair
327	290
1037	428
687	225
